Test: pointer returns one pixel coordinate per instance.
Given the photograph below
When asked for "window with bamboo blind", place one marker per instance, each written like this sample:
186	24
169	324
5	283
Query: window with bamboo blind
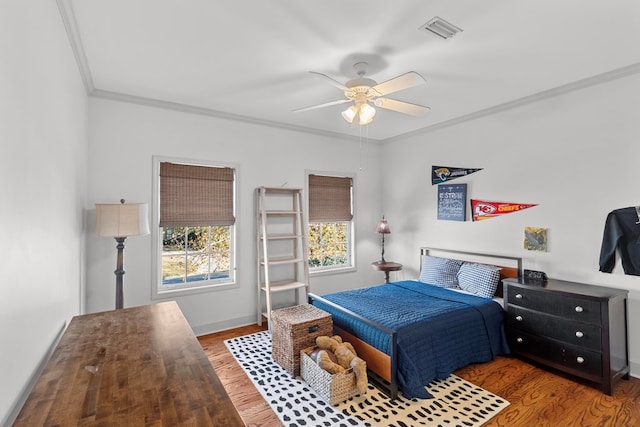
196	220
330	222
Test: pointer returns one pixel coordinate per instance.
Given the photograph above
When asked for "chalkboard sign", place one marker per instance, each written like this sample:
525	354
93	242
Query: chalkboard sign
452	202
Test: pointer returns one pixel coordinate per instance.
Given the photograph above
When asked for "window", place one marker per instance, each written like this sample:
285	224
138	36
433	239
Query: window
330	223
195	254
196	219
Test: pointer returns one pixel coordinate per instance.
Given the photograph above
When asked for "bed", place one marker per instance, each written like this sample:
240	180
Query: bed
413	331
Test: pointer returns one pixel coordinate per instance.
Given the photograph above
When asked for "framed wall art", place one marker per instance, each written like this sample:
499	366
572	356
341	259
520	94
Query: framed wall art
452	202
535	239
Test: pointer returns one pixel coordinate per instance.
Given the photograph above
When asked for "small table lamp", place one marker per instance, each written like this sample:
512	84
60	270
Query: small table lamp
121	221
383	228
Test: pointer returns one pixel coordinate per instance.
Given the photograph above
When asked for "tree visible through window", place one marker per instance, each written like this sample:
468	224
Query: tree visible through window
330	222
195	253
328	244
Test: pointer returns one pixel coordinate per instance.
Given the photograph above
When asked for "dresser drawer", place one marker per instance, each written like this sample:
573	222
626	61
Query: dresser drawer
580	334
570	307
584	363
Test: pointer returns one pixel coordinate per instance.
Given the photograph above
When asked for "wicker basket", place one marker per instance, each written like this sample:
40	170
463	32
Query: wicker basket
295	328
334	388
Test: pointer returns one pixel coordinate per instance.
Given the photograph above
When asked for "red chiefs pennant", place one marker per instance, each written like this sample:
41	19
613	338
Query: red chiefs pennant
482	209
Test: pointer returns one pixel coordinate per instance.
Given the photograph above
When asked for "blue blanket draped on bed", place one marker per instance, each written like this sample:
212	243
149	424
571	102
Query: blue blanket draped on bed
438	330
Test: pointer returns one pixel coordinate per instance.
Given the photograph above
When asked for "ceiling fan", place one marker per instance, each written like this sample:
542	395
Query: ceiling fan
363	92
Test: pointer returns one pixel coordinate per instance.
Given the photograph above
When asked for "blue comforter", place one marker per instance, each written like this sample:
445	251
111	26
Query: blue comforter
438	330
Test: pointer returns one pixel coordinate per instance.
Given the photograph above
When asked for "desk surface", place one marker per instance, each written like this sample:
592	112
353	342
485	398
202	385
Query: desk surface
137	366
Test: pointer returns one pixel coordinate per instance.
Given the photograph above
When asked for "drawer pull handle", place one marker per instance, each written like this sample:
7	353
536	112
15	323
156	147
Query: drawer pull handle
313	328
519	340
580	359
579	309
519	318
579	334
518	296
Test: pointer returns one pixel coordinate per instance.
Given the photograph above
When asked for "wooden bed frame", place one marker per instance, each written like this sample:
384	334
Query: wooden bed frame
383	367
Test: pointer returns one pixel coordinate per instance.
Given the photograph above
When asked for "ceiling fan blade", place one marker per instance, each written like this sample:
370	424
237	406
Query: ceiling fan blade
401	106
403	81
326	104
331	80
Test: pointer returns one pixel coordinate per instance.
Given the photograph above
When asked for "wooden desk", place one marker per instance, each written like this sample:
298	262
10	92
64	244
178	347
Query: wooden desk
386	267
138	366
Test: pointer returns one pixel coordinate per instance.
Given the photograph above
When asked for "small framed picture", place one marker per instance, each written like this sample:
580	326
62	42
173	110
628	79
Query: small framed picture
535	239
452	202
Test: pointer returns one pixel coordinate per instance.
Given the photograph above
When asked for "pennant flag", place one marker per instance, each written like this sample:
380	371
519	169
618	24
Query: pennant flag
440	174
481	209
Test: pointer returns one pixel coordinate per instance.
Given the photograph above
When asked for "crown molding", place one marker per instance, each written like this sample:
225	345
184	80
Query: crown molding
545	94
191	109
71	26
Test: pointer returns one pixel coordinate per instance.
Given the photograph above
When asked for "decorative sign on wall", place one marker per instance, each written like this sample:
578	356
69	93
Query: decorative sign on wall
452	202
482	209
440	174
535	239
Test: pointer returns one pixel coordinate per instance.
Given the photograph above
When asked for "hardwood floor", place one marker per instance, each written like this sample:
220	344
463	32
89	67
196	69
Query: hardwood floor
538	397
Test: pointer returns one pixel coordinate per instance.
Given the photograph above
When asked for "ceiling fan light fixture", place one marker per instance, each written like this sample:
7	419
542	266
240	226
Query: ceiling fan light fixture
350	113
365	93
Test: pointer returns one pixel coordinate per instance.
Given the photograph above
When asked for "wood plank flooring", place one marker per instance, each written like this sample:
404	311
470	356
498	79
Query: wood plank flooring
538	397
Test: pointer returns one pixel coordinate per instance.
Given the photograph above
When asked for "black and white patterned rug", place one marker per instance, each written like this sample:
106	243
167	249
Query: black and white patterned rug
456	402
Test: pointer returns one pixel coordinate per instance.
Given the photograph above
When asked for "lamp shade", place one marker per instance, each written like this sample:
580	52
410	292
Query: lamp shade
366	114
122	220
350	113
383	227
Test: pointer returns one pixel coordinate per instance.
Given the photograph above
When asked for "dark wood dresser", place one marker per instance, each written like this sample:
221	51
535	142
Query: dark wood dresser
576	328
139	366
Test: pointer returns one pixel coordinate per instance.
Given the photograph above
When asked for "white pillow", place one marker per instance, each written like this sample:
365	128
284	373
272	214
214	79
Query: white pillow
440	272
479	279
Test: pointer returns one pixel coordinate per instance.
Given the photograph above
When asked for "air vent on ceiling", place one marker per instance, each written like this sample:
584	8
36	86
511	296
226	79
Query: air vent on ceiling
441	28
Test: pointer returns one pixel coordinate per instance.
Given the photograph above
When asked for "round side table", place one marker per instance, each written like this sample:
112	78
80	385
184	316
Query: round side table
386	267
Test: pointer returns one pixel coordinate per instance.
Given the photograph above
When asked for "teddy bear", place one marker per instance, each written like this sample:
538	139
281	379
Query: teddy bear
344	357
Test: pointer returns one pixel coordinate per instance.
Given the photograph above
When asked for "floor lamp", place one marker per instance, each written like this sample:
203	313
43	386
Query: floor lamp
121	221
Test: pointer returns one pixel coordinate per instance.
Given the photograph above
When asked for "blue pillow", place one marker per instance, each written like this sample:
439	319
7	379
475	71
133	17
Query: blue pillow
479	279
440	272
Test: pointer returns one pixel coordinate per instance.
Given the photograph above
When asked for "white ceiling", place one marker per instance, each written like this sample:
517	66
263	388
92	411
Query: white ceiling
249	59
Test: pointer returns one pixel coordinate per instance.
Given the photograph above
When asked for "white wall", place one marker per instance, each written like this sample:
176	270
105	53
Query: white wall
123	139
575	154
43	148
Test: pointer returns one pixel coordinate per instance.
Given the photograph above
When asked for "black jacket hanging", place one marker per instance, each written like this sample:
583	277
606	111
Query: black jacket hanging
621	232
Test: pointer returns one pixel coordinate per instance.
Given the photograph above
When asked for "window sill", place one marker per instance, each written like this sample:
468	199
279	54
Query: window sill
332	271
178	292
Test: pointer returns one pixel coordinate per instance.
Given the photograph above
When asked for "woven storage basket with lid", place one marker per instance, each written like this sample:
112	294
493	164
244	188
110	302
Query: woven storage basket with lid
295	328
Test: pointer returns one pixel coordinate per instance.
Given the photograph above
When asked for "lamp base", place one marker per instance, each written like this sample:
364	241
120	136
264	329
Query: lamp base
119	272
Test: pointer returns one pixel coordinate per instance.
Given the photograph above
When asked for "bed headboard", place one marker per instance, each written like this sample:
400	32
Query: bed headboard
509	266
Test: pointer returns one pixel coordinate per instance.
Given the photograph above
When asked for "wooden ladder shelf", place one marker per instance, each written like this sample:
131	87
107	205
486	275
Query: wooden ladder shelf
282	247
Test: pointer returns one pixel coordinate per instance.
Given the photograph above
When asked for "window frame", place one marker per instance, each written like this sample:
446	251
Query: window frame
196	287
351	227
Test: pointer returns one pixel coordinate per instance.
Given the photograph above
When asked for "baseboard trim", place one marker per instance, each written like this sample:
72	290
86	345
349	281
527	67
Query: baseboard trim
211	328
24	394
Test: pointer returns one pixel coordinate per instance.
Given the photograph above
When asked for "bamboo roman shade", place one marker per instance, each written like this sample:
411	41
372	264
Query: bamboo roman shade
195	196
329	198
